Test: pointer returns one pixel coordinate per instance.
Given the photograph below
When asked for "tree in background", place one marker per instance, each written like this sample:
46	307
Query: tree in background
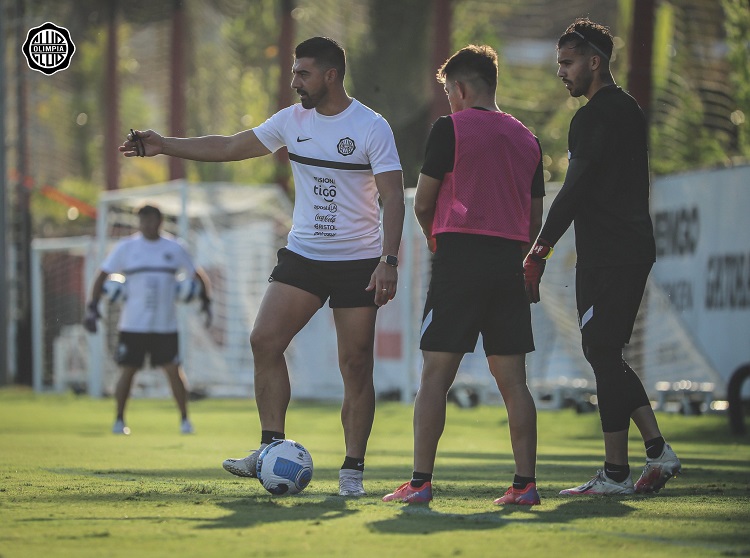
389	74
737	23
701	80
233	80
697	117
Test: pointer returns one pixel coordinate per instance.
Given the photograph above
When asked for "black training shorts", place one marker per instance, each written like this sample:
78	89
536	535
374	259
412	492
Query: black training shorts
477	287
608	299
132	349
344	282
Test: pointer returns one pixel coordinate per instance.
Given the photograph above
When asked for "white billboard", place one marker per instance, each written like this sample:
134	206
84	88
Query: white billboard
703	259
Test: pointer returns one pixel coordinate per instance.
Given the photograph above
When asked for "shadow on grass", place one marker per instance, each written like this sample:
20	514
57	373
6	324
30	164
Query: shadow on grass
485	474
245	512
415	519
421	519
253	511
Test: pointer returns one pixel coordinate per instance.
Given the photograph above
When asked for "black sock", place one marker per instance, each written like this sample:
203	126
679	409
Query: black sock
654	447
519	482
617	473
268	436
358	464
418	479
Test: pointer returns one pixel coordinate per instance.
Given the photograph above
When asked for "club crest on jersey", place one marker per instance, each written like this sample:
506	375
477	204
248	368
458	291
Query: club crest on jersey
346	146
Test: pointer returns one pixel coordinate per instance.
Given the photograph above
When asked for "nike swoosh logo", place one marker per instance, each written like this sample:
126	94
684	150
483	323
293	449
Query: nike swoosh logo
300	140
360	464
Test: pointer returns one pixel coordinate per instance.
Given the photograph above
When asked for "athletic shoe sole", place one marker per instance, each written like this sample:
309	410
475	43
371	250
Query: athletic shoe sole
656	479
229	466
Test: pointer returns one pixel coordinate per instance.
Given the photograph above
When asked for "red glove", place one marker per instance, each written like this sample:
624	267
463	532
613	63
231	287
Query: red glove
92	315
431	244
533	267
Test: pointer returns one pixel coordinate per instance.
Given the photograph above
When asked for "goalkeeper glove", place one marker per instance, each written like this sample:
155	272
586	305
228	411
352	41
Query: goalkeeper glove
92	315
533	267
431	244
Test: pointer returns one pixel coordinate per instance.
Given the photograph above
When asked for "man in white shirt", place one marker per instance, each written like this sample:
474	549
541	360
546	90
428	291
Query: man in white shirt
150	261
343	158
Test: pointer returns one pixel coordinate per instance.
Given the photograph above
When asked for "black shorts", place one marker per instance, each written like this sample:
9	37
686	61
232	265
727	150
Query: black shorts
162	348
477	287
608	299
344	282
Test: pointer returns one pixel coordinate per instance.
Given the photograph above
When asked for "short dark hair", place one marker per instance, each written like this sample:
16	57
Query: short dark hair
588	36
470	63
326	52
149	210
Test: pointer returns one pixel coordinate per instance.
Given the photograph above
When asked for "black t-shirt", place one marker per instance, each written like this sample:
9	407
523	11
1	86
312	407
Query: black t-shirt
440	154
606	188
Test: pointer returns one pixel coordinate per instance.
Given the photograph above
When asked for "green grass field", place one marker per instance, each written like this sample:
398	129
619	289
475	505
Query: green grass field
68	487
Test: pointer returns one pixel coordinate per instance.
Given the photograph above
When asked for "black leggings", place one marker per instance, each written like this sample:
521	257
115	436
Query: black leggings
618	389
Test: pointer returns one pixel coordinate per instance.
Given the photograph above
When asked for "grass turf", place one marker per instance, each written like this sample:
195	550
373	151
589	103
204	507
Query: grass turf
68	487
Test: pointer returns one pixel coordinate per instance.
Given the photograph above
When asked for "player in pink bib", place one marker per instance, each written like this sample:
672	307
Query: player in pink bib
479	202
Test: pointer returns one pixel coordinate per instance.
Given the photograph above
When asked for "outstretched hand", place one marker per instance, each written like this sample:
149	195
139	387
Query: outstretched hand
142	144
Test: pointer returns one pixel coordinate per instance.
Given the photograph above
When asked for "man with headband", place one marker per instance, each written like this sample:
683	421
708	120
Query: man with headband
605	195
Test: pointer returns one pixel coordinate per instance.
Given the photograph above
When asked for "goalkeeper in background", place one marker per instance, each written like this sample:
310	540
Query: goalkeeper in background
149	260
605	195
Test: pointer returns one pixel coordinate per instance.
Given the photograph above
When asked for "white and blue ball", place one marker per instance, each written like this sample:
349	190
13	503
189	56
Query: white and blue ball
285	467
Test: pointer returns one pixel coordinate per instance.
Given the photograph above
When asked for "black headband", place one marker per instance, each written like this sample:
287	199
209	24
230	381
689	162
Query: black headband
589	41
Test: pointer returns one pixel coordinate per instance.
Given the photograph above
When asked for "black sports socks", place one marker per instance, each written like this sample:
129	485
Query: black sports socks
654	447
356	463
519	482
617	473
418	479
269	436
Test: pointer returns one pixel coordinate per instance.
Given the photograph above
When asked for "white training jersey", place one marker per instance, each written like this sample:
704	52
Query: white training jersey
150	267
334	161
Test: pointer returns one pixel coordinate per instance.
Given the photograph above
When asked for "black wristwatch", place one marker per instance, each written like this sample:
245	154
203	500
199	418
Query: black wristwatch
389	260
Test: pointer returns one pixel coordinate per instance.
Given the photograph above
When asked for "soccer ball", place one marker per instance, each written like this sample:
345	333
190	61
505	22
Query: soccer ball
187	289
284	467
114	288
